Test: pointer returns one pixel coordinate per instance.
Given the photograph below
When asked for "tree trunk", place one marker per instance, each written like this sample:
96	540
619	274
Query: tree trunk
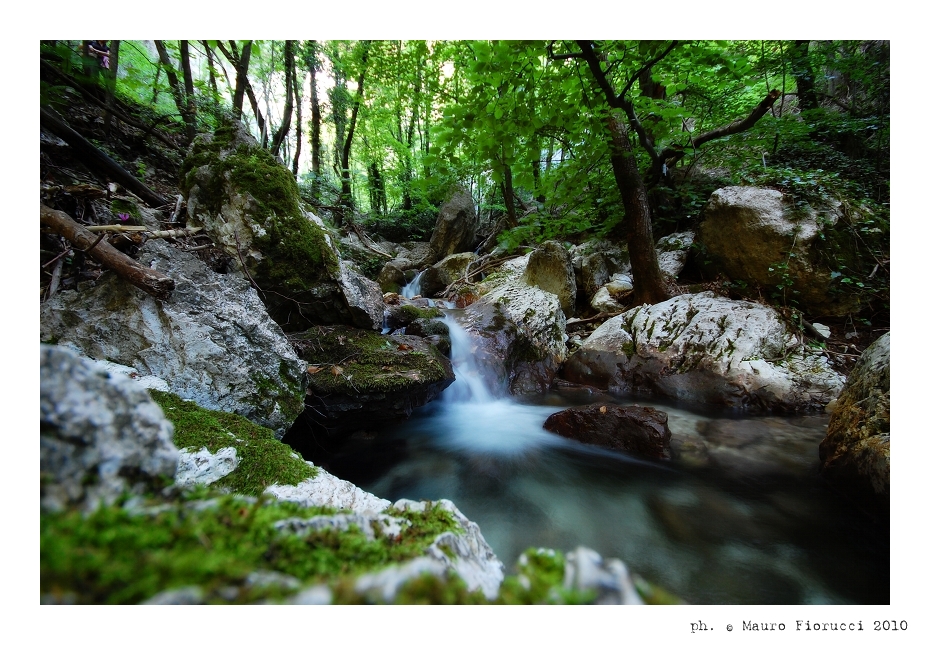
803	75
215	97
242	70
315	118
649	285
151	281
111	85
289	98
176	91
188	89
298	99
346	196
509	202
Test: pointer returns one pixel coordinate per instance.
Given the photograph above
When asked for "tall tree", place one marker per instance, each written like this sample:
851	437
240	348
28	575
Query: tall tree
285	126
313	65
180	99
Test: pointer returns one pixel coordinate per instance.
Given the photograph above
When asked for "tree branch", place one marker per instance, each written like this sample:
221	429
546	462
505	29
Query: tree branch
151	281
670	156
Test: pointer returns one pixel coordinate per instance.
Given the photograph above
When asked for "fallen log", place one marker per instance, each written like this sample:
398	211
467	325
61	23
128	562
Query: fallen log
150	281
93	156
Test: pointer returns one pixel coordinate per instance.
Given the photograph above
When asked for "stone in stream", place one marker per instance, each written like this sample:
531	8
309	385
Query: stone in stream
856	452
639	430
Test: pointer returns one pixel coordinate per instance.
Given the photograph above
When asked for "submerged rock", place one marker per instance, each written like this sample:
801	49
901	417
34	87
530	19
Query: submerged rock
101	435
639	430
706	349
856	453
212	342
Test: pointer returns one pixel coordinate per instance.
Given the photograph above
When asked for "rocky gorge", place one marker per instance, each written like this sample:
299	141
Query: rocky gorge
200	410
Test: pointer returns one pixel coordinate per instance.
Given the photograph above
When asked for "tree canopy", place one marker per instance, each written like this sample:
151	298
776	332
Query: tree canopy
555	139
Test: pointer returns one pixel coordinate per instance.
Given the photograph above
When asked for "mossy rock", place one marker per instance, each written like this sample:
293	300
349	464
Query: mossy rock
359	376
250	206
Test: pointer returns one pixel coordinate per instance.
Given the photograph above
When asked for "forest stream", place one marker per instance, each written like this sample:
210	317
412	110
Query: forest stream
739	515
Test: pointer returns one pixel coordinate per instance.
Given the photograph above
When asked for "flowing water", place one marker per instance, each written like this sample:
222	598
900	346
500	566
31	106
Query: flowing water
738	516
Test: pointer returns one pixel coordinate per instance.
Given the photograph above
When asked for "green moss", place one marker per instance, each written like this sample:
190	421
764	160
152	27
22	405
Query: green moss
420	312
118	205
540	578
295	251
629	348
117	556
264	460
349	360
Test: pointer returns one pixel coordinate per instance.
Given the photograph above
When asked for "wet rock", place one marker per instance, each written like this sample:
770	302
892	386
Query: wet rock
706	349
455	227
391	278
856	453
212	342
747	231
518	331
586	570
101	435
358	378
639	430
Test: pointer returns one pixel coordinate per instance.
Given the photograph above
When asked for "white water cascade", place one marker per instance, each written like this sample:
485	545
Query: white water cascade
412	288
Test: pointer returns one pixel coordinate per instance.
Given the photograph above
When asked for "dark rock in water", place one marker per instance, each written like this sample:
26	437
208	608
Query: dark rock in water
360	379
640	430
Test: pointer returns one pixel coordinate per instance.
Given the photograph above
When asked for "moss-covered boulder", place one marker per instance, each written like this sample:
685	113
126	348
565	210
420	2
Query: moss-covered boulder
856	453
249	205
360	378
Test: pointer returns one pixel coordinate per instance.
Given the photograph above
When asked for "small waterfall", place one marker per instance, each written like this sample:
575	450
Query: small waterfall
469	384
412	288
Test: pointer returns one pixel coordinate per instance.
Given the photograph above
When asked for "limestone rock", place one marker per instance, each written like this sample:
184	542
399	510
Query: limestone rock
518	331
606	300
856	453
706	349
248	204
748	231
328	490
363	298
672	251
595	262
101	435
212	342
455	227
549	268
391	278
639	430
585	570
204	467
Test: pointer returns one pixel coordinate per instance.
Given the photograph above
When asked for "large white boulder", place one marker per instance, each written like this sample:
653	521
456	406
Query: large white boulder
706	349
